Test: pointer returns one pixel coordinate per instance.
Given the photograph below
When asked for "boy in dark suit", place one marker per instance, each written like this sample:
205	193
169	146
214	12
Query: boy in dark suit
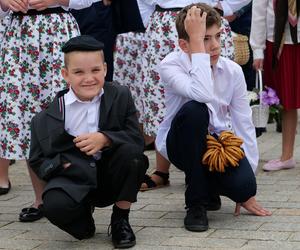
88	148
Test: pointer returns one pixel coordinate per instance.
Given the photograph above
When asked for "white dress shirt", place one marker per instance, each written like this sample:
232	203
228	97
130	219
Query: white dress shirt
146	9
229	6
263	27
222	88
82	116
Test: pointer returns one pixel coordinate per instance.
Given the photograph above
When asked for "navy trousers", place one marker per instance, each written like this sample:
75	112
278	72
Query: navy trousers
186	144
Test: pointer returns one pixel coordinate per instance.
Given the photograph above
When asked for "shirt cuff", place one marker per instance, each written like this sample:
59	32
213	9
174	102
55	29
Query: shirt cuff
258	54
81	4
226	8
200	59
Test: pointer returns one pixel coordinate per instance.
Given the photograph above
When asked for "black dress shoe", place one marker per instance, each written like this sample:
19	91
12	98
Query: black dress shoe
5	190
122	234
30	214
196	219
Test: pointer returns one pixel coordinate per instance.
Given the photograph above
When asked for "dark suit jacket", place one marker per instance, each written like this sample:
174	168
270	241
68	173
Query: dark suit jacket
126	16
51	145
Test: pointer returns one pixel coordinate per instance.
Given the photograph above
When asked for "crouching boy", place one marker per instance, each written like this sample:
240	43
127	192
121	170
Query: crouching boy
206	93
88	148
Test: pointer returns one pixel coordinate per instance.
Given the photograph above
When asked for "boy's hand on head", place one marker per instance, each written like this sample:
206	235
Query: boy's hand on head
91	143
15	5
41	4
195	23
251	206
195	26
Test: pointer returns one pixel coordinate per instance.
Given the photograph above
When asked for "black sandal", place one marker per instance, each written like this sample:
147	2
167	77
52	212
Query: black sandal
153	185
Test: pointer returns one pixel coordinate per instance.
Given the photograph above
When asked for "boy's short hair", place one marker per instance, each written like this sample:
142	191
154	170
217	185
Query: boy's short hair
212	18
83	43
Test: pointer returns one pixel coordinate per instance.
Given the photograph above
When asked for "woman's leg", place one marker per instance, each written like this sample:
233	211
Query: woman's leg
289	126
157	180
4	164
38	187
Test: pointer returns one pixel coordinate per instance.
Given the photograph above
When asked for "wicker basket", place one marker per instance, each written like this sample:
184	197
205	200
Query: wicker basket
241	49
260	115
260	112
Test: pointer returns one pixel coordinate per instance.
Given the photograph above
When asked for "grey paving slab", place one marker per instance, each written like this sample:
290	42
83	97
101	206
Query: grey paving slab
271	245
157	217
253	235
204	243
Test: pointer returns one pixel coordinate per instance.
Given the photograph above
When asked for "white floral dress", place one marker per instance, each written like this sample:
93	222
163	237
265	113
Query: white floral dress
31	60
128	54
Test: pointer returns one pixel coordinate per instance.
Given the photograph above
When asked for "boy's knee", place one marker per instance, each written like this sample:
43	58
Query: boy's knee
138	165
245	189
57	205
129	151
195	111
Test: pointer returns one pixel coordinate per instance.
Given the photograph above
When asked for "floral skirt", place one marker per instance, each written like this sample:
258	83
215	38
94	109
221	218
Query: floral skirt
128	54
285	79
30	77
161	39
3	25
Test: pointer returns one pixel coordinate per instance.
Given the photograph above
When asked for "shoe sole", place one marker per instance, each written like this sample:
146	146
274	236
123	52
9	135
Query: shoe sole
125	245
196	228
285	168
153	188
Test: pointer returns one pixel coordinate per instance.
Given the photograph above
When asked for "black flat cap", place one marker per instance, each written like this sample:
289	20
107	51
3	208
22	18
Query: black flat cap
82	43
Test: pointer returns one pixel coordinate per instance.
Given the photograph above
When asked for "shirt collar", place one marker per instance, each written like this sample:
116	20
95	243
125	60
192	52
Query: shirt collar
220	64
70	97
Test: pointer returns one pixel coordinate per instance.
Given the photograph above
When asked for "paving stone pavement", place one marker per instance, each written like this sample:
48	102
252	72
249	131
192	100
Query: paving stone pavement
157	217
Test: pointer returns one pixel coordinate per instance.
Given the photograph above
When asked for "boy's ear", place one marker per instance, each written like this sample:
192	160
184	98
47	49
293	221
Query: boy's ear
105	68
184	45
64	73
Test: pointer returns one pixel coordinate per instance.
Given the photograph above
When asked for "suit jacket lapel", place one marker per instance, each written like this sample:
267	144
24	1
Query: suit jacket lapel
59	139
106	103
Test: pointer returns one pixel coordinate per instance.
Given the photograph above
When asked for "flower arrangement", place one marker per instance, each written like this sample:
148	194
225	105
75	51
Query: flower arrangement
268	97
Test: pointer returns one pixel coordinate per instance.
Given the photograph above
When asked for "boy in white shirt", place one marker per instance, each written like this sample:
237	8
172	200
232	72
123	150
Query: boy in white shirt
205	92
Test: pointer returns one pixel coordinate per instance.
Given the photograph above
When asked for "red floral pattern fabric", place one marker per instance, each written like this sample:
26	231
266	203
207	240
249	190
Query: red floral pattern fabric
31	60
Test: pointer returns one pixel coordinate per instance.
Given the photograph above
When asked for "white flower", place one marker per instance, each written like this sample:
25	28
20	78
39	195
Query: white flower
252	96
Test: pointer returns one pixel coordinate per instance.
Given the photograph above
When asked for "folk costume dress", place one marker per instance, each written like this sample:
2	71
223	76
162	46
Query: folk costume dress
280	49
129	50
30	77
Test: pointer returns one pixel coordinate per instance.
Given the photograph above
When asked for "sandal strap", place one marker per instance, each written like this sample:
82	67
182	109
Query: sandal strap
149	182
164	176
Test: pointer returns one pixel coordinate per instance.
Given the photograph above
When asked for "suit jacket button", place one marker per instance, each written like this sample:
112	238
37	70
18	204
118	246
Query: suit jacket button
92	164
